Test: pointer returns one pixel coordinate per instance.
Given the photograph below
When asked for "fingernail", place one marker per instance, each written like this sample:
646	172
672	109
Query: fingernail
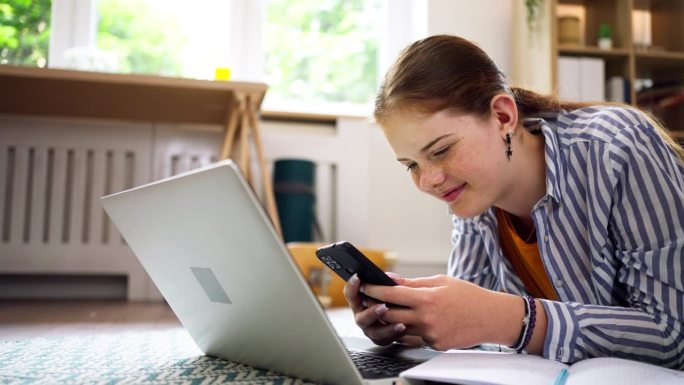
354	280
361	289
364	302
395	277
380	310
399	328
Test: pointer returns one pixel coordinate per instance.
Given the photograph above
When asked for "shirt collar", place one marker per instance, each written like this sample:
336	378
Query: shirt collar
552	154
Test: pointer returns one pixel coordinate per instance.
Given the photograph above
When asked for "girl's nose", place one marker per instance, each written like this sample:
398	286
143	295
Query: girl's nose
431	178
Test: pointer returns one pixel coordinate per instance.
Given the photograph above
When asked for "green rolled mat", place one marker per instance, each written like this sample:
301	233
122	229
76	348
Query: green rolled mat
293	184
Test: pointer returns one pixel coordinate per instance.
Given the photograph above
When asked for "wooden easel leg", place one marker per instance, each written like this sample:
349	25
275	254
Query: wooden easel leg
263	170
244	145
231	129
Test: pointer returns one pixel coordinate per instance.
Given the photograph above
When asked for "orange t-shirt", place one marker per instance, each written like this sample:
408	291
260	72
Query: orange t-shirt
525	259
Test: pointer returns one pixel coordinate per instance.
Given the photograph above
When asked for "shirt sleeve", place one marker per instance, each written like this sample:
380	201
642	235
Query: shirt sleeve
469	259
646	246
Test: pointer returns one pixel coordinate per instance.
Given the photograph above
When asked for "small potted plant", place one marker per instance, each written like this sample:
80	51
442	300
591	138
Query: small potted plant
605	39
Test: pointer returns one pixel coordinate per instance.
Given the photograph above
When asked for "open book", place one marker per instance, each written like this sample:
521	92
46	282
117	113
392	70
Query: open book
472	367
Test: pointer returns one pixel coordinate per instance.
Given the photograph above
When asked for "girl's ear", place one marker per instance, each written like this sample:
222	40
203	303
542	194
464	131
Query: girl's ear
505	111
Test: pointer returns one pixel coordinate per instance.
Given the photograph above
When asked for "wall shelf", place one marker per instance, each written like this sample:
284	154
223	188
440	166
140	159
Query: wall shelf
660	64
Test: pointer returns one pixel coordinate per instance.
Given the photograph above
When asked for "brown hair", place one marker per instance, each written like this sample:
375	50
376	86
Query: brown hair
449	72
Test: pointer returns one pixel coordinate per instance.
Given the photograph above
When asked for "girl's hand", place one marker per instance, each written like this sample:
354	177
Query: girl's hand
368	315
445	312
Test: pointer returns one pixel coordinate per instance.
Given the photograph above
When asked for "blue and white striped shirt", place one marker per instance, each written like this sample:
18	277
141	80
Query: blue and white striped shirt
611	235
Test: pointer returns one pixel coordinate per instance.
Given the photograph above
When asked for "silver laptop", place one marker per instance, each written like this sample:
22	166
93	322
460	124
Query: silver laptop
208	245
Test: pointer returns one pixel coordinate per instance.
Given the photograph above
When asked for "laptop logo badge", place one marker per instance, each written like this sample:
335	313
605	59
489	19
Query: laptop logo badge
210	284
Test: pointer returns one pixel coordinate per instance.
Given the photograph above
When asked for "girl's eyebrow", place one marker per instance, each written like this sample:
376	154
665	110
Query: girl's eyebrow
427	146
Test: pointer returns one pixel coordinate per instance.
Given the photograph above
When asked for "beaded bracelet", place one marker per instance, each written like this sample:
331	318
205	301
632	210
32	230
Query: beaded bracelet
528	324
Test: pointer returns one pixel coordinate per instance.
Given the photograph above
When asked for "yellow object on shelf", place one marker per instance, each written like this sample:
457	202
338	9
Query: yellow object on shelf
222	73
569	30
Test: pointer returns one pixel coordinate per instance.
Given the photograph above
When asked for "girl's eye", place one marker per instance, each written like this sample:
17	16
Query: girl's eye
441	152
411	167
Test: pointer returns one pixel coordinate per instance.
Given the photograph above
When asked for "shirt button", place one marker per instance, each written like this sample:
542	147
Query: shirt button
546	238
559	283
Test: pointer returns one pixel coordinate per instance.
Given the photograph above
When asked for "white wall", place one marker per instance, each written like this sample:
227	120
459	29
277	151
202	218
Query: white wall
532	64
402	218
489	23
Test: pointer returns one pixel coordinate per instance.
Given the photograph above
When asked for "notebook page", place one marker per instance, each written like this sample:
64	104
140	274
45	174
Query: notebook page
470	367
616	371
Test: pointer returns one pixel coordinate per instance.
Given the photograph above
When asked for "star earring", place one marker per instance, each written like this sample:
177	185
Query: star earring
509	151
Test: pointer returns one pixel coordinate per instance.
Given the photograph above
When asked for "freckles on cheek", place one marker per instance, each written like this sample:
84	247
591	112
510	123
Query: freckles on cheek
477	166
465	167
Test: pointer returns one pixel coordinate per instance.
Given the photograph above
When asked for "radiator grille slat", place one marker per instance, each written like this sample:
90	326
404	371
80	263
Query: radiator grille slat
47	222
19	201
117	183
26	232
78	170
97	218
5	191
37	228
68	196
57	196
88	197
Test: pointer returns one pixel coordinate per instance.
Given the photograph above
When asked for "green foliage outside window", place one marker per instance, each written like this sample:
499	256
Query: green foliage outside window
314	49
24	32
144	39
322	49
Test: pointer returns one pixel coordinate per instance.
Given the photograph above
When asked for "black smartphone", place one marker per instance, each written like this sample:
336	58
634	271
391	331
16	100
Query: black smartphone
346	260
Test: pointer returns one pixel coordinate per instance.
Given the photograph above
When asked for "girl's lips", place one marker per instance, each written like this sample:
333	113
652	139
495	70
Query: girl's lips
451	195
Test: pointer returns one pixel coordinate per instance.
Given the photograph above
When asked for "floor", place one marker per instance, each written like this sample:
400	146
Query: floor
44	319
32	319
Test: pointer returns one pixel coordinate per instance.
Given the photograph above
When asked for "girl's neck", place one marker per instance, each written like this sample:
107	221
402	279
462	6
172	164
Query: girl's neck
528	176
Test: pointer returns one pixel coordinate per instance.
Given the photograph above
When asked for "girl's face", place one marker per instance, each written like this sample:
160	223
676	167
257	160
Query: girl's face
457	158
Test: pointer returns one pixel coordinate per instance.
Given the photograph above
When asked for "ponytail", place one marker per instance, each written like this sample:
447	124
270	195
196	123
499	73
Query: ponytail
531	103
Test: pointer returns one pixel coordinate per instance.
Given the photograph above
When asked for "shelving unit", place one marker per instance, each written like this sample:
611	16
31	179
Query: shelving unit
661	62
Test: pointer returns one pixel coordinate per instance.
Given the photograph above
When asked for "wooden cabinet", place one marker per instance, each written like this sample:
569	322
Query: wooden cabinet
647	49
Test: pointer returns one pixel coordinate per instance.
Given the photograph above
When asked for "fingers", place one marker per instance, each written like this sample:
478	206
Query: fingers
435	280
395	315
357	300
398	295
409	293
369	316
352	295
367	301
412	341
371	322
384	334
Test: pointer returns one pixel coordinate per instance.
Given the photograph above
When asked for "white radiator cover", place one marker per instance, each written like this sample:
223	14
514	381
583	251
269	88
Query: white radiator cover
52	174
54	170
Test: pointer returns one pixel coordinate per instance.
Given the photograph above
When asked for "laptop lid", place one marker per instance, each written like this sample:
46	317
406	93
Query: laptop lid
211	250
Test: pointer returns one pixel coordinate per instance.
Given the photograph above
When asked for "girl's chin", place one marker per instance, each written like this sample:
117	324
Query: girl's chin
466	210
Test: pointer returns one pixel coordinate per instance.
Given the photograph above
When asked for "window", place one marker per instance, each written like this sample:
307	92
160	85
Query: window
321	53
320	56
24	32
164	37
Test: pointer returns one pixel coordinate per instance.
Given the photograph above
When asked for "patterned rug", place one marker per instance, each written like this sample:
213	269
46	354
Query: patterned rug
150	357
